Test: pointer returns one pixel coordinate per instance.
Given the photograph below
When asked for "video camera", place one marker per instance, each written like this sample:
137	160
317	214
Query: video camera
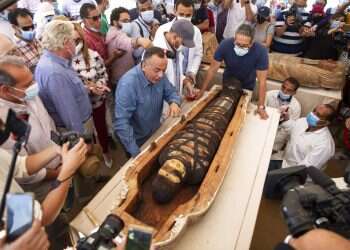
16	126
307	205
103	238
71	137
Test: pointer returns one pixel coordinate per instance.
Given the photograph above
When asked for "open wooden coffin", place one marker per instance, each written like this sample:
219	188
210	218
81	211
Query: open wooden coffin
169	220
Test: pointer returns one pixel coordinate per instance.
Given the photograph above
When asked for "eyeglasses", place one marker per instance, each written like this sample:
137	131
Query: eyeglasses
94	18
27	28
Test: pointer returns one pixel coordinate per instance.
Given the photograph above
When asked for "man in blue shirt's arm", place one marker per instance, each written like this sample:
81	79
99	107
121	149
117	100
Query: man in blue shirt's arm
139	100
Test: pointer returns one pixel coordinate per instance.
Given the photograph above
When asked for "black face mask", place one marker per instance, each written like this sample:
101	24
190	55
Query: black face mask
316	19
260	19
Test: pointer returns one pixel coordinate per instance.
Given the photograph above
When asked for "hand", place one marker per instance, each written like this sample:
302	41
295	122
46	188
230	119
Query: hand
33	239
262	113
97	89
290	20
320	239
144	42
188	86
347	123
174	110
72	159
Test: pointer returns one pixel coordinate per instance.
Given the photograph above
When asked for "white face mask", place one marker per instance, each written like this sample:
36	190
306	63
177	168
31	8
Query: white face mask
78	48
241	51
147	16
180	49
126	28
184	18
197	6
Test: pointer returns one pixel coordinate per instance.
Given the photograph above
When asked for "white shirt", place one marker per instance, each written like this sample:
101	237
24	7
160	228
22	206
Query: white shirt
44	9
31	5
195	54
173	65
7	29
71	8
235	17
294	111
308	148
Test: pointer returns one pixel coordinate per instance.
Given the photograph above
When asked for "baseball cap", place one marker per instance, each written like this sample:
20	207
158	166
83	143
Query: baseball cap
185	30
264	11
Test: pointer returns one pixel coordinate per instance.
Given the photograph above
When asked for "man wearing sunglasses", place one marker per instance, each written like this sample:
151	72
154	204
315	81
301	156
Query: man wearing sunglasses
28	47
94	38
245	61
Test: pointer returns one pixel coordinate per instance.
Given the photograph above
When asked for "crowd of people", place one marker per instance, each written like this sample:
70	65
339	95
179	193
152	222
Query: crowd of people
117	78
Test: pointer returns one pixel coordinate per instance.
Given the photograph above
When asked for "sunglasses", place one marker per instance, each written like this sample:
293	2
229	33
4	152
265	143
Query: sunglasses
95	18
27	28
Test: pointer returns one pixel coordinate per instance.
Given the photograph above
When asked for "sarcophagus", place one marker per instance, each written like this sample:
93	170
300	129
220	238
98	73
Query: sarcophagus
195	152
201	150
310	73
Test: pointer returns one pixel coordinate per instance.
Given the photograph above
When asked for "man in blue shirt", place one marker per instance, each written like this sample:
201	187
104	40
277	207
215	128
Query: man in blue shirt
245	61
139	100
61	90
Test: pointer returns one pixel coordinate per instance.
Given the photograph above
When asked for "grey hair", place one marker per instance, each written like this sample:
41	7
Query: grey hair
246	30
56	34
5	77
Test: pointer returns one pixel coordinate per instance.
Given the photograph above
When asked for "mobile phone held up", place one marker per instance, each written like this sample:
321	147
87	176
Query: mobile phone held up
139	238
19	214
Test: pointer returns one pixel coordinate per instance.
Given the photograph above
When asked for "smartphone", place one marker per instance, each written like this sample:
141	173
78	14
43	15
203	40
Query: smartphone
19	212
139	238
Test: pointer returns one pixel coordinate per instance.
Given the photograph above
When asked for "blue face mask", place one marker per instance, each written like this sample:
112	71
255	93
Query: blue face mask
241	51
283	97
28	35
312	119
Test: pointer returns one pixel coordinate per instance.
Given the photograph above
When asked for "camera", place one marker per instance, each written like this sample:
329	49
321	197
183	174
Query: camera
306	205
293	11
103	238
18	127
71	137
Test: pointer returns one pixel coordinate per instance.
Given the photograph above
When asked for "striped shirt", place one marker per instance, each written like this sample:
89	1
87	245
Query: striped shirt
290	42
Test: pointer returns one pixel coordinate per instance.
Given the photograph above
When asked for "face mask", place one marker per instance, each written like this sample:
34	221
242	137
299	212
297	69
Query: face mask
301	9
78	48
184	18
147	16
260	19
180	49
197	6
126	28
28	35
94	30
312	119
283	97
241	51
317	19
30	93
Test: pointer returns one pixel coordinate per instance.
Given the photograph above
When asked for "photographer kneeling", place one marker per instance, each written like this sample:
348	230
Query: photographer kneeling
71	160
